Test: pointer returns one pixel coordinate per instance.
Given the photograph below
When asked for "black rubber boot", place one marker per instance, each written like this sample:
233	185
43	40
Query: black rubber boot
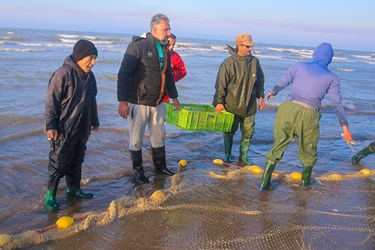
244	150
138	173
50	200
306	176
228	142
361	154
158	157
265	184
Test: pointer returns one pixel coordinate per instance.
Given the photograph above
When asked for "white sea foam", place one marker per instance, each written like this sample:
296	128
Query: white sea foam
268	57
366	57
340	59
68	40
90	37
22	50
67	36
345	70
103	42
218	48
300	52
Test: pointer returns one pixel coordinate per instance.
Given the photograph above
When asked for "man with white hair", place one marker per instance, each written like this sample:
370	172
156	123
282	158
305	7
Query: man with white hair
144	79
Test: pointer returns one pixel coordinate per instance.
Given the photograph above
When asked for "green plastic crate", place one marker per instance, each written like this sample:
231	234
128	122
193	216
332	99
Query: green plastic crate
199	117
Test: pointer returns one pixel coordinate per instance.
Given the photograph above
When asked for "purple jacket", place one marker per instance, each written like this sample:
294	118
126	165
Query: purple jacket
311	81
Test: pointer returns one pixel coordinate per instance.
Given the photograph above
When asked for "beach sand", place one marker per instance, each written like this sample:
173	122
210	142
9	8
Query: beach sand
209	206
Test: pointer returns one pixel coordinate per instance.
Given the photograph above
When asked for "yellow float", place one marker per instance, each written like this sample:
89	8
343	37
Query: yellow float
254	169
182	163
296	176
218	161
64	222
157	196
4	239
365	171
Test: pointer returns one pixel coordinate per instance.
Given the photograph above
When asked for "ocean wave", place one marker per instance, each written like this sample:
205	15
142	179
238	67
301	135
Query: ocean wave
21	136
90	37
345	70
366	57
68	40
300	52
367	62
11	38
22	50
269	57
68	35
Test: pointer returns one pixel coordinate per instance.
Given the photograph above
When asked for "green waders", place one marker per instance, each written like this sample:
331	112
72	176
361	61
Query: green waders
306	176
293	120
50	200
265	184
228	142
364	152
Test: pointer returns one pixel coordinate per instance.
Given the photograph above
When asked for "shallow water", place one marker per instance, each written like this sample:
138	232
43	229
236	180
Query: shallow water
202	211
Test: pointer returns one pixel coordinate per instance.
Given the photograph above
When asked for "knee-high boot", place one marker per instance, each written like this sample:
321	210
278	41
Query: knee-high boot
138	173
306	176
73	183
244	150
361	154
50	200
265	184
158	157
53	183
228	142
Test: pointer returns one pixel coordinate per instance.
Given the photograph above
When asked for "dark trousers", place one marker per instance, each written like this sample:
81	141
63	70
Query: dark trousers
65	159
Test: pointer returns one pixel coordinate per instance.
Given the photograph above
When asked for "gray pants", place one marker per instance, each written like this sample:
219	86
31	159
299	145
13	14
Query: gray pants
154	118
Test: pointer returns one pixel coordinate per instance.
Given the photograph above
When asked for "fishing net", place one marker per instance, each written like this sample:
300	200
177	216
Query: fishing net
220	207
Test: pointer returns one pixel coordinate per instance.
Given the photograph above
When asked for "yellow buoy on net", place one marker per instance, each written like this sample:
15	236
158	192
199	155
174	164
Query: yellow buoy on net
254	169
365	171
218	161
157	196
296	175
182	163
64	222
4	239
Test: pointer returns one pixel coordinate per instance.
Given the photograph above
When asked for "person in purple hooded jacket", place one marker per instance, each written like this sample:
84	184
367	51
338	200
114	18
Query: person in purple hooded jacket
299	116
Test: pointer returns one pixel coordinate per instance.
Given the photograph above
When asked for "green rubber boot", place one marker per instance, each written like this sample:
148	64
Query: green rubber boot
50	200
244	150
228	142
306	176
361	154
265	184
77	192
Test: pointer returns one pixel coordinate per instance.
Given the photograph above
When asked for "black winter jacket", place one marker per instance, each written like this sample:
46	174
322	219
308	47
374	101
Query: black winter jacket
71	101
140	79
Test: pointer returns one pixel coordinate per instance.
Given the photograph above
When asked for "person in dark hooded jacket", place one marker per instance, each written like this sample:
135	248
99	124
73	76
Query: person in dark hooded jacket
299	116
71	114
239	82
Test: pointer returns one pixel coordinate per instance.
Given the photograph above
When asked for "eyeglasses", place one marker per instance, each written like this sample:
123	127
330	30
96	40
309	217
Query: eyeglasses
247	46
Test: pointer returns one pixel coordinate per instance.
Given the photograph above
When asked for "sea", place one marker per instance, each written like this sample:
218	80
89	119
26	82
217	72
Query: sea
204	212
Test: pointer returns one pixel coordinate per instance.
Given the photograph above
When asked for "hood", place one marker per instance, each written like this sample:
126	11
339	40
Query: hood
233	52
323	54
70	63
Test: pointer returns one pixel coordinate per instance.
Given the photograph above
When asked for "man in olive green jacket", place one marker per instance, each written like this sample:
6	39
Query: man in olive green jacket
239	82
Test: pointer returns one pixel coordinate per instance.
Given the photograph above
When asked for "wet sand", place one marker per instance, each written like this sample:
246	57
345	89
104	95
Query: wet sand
210	206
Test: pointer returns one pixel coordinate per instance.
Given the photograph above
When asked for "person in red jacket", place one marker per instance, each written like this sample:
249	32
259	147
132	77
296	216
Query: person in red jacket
178	66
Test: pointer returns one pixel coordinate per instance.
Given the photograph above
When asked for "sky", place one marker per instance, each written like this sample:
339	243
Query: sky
346	24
